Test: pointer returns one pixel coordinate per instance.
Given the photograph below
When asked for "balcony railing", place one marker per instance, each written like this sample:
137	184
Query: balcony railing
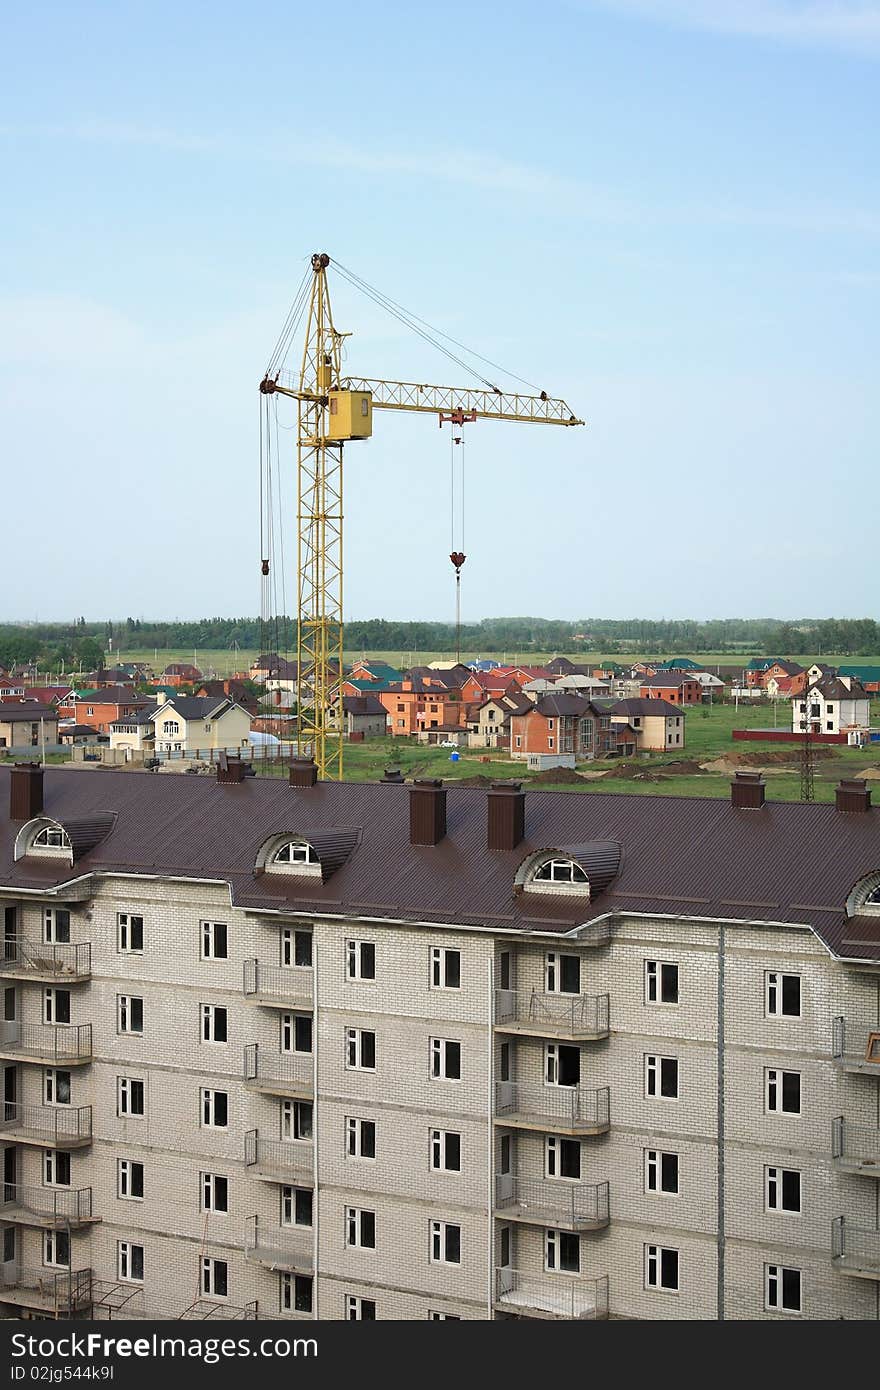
570	1205
551	1295
283	1160
278	1073
572	1109
62	960
552	1015
849	1048
60	1125
280	1247
286	986
206	1310
60	1204
58	1291
55	1044
855	1248
855	1148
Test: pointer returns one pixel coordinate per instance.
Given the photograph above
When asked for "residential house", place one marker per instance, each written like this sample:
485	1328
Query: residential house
444	733
26	724
47	694
488	721
364	716
191	724
560	730
235	689
75	734
755	672
369	670
181	673
657	724
101	708
713	686
675	687
113	676
834	705
135	731
361	685
867	676
479	685
11	688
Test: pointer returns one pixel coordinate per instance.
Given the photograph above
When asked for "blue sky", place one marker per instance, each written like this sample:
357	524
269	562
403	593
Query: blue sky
666	211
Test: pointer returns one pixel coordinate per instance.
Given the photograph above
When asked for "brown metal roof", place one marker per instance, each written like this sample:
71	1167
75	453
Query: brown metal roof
691	856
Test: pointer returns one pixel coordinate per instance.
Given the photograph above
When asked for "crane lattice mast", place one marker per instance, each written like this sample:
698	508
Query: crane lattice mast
331	412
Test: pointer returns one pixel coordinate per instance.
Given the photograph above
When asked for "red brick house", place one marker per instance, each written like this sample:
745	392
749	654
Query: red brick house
676	687
560	725
101	708
180	673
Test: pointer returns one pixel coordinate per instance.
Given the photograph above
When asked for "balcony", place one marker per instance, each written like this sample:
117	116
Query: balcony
569	1206
855	1049
49	962
576	1017
46	1206
279	1073
207	1310
550	1296
278	986
289	1248
855	1249
855	1148
59	1293
572	1110
47	1126
279	1160
53	1045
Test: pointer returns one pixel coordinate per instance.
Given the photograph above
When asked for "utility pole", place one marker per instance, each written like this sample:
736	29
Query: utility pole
807	761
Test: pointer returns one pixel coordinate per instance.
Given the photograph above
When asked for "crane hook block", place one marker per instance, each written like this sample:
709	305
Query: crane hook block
458	559
320	260
267	386
265	567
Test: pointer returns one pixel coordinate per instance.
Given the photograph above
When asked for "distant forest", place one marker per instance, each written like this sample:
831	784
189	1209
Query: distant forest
84	644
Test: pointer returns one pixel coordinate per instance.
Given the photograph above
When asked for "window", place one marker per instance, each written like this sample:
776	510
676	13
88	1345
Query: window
56	1168
661	982
562	1251
129	932
215	1277
129	1014
442	1317
56	1249
585	731
360	1137
445	1243
562	1064
359	1309
56	924
360	1049
445	1059
130	1180
214	1023
445	968
661	1171
661	1268
445	1151
504	1154
504	1247
295	852
129	1262
51	837
560	871
782	1091
215	941
563	1158
783	1189
215	1109
361	960
296	1206
504	970
562	973
296	947
295	1293
56	1005
296	1119
783	995
214	1191
129	1096
661	1077
504	1055
782	1289
171	726
360	1228
296	1033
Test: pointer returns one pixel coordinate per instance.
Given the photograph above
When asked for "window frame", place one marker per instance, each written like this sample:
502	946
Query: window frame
654	1166
208	1106
438	1150
210	1266
209	1191
126	1012
438	1058
124	931
439	960
774	993
124	1086
354	1049
655	988
653	1263
555	1240
775	1077
774	1284
354	1134
653	1069
354	1228
208	940
124	1179
774	1187
209	1017
354	960
439	1243
126	1258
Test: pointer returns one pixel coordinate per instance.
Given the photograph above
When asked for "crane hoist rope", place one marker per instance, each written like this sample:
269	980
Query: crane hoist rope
334	410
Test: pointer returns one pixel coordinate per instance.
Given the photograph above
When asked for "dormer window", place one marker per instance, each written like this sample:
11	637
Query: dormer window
51	837
560	871
864	900
295	852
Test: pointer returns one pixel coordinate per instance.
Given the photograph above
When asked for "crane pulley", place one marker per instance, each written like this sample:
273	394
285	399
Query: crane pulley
333	411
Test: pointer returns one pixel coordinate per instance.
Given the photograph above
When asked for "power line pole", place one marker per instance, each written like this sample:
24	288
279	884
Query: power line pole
807	760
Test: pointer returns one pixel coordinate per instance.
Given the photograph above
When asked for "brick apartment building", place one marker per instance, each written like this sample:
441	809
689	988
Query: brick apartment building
353	1051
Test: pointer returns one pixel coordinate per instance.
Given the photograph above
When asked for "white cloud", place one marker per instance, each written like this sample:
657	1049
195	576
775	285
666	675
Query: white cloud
850	24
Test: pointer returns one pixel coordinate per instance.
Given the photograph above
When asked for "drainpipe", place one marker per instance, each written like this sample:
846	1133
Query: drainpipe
720	1121
490	1146
316	1129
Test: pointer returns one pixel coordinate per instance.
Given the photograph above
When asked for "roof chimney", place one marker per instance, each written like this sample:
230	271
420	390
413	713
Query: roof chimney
25	791
427	811
230	768
747	791
392	774
853	794
303	772
506	803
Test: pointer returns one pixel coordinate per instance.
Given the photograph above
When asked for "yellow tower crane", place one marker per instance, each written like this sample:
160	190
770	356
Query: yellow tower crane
331	412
